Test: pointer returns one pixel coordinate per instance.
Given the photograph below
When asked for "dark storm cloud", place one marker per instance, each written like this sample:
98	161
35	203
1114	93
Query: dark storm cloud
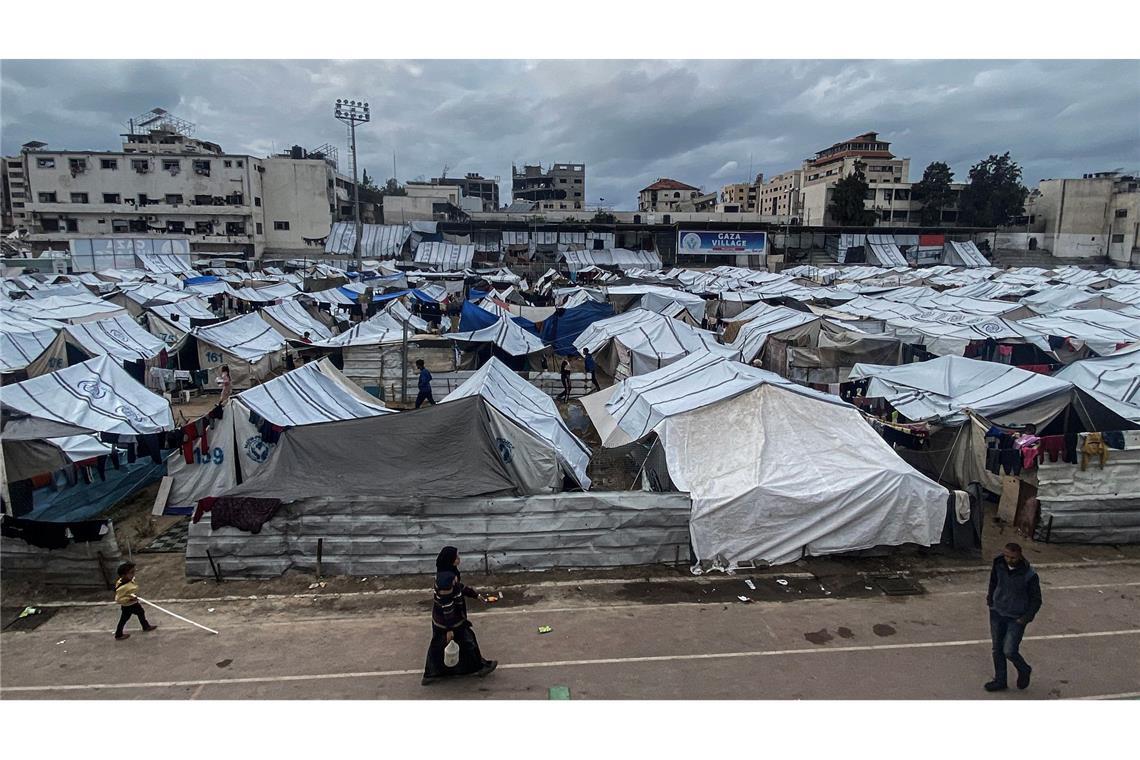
702	122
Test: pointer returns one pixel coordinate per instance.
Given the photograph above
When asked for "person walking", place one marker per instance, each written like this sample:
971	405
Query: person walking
226	383
591	368
564	373
126	590
424	385
1014	599
449	624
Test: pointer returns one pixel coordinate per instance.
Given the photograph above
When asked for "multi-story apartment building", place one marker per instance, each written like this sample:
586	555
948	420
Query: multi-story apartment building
666	195
780	195
744	197
1096	215
562	187
167	183
476	186
821	173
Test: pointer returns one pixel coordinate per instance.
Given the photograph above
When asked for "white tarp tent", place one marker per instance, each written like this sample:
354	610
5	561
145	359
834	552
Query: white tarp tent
446	257
775	471
505	334
315	392
23	340
95	396
642	341
247	344
382	328
1102	330
1113	380
656	298
943	389
291	320
70	309
963	254
884	251
753	334
532	410
121	338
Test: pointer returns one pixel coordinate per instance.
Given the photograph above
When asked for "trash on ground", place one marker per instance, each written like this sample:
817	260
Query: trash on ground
750	584
61	642
210	609
319	584
782	581
744	599
544	629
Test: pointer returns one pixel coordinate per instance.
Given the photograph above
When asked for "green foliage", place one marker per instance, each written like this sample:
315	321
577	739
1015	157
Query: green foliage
934	192
995	193
848	198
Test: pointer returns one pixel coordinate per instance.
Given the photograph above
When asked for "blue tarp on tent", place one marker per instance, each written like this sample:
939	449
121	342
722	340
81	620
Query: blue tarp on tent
561	328
87	501
477	295
473	318
200	280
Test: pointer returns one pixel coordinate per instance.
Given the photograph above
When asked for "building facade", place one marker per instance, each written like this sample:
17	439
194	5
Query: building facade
821	173
167	184
1094	216
666	195
780	195
475	185
562	187
743	197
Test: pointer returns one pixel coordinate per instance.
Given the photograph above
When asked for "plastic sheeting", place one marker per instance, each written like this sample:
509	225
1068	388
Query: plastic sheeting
1102	330
95	396
1113	380
291	320
22	341
315	392
446	257
943	389
120	338
623	258
566	324
504	333
963	254
884	251
530	408
248	337
643	341
753	334
379	241
775	475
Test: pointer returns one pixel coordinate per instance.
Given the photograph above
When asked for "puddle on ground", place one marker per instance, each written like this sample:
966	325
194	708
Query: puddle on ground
819	637
882	629
845	632
224	663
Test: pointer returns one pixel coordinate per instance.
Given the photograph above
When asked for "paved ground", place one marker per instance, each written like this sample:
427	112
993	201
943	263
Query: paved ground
612	638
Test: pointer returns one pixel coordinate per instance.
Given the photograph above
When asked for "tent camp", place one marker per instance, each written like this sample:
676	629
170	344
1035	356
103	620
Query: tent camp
70	309
22	341
775	471
884	251
963	255
535	412
172	322
247	344
377	241
445	257
655	298
562	327
120	337
641	341
504	335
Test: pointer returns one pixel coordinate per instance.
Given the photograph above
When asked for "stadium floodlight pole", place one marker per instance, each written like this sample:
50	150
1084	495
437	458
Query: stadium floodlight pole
353	112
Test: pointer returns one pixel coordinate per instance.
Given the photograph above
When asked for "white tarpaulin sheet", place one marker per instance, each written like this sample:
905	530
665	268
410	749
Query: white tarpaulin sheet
623	258
754	334
22	341
645	341
505	334
248	337
446	257
530	408
657	298
884	252
1113	380
121	338
378	241
774	475
72	309
95	396
382	328
1102	330
963	254
943	389
281	291
212	473
315	392
291	320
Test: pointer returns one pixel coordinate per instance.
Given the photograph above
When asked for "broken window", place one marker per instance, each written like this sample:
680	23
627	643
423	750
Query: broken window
77	165
203	200
1121	213
79	197
177	227
227	164
45	163
140	165
138	225
50	225
172	165
109	163
112	198
235	228
234	199
143	200
120	225
202	167
47	197
203	228
173	199
240	163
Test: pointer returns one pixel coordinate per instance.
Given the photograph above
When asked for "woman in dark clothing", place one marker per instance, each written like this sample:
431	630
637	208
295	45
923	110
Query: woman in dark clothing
449	621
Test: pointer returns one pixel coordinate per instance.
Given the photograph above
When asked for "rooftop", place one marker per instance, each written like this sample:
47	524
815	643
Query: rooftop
664	183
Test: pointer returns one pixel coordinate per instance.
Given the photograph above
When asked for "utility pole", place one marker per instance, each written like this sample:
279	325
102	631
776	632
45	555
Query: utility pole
353	112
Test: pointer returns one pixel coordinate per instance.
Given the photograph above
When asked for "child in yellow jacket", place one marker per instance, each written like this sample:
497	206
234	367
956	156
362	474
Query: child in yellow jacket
125	594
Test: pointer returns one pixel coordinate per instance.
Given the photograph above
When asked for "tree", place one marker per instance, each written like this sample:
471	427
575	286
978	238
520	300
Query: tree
934	193
392	187
848	198
995	193
367	183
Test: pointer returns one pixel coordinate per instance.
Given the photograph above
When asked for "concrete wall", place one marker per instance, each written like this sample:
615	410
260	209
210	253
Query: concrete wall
296	192
1095	505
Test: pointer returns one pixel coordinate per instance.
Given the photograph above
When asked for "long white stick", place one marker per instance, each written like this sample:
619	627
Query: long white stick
168	612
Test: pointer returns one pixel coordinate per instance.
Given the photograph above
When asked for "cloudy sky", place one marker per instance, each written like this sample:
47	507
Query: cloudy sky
702	122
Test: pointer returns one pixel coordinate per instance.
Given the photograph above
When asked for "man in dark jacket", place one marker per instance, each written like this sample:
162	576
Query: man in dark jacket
1014	598
424	385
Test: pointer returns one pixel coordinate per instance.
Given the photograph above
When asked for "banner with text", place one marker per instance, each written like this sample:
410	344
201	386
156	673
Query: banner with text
691	242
